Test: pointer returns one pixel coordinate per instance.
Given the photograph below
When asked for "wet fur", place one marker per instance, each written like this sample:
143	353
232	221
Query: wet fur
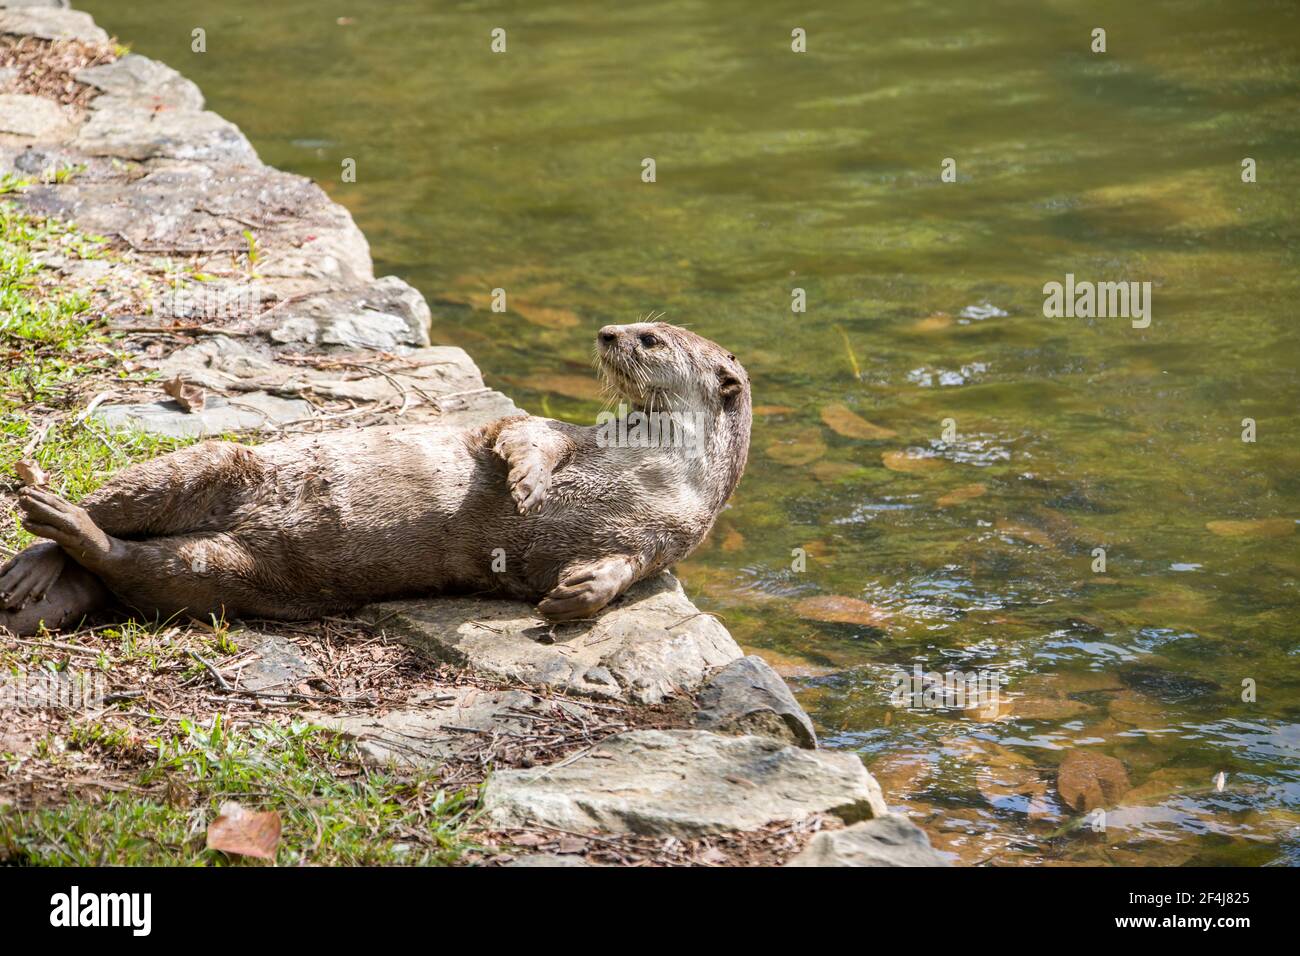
322	524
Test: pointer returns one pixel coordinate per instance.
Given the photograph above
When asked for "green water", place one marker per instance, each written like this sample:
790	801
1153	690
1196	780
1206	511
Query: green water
821	171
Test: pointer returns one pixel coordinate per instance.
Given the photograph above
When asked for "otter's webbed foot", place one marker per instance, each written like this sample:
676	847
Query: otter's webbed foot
46	515
533	450
30	574
584	590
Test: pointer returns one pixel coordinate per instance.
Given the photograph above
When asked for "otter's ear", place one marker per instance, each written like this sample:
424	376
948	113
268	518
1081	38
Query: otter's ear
729	385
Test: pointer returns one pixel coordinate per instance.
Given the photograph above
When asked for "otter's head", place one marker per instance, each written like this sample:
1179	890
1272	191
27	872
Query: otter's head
655	366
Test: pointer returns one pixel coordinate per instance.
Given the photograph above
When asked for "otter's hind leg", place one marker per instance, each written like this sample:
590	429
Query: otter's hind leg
198	574
74	594
193	489
584	589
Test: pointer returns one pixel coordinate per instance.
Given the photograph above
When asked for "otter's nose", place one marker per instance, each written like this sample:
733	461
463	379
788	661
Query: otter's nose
608	335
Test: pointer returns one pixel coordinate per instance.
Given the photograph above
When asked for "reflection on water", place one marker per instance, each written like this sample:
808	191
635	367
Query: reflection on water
948	459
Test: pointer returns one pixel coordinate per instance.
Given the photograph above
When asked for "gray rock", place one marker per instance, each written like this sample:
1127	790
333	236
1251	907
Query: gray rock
652	643
183	209
8	75
252	412
129	130
33	116
436	385
279	665
50	23
684	783
385	315
748	697
892	840
52	4
437	725
138	81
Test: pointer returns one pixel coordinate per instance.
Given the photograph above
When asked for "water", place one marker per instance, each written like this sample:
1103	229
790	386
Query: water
822	172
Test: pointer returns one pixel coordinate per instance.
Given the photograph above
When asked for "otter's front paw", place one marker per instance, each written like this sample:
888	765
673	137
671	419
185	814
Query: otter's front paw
585	590
529	481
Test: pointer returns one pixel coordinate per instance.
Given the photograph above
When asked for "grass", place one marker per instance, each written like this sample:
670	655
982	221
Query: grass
160	778
333	810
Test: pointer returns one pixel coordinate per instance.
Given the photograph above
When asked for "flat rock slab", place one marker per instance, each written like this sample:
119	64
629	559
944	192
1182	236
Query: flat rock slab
437	725
278	664
192	208
684	783
651	644
129	130
34	116
138	81
252	412
748	697
891	840
385	315
435	385
51	24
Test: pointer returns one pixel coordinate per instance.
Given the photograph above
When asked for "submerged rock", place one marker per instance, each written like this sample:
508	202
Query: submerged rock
650	644
748	697
684	783
892	840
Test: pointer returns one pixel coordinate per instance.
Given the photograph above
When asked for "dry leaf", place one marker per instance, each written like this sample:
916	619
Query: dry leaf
836	609
30	473
1087	780
245	832
766	410
841	420
912	464
1258	528
189	397
960	495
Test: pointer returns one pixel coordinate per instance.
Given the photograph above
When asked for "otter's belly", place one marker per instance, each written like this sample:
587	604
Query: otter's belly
361	516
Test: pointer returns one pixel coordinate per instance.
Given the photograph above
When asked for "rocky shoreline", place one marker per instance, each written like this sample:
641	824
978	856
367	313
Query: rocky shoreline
251	286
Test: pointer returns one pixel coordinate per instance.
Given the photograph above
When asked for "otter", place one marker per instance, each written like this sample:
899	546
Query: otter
524	507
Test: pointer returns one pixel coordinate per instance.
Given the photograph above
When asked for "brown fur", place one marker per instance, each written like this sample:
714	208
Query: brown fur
325	523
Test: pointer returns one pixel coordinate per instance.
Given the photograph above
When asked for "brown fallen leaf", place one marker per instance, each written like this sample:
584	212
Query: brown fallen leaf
961	495
189	397
837	609
546	317
1257	528
797	451
1087	780
245	832
570	386
843	421
766	410
911	464
932	323
1025	533
733	540
832	471
30	473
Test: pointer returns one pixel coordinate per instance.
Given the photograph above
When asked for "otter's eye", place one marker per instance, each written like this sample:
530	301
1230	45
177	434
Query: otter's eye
649	341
